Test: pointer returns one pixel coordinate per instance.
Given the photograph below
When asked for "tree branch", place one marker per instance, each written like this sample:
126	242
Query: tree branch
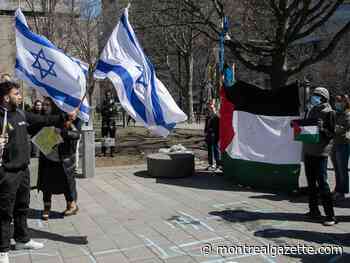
316	25
322	54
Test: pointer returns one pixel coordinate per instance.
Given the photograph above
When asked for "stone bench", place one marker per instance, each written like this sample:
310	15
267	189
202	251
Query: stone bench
170	165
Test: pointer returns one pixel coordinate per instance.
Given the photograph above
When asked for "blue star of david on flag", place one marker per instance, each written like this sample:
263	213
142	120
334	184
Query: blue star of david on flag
141	80
40	61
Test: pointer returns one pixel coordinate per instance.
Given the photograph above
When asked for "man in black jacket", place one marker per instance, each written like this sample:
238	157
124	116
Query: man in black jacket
14	172
211	130
108	113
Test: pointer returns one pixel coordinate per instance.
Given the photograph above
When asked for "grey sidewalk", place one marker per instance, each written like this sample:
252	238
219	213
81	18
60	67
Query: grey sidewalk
126	216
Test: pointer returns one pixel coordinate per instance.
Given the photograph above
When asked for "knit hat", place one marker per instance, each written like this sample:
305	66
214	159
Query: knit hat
321	91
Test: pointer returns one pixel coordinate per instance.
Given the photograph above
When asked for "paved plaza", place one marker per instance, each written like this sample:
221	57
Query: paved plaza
126	216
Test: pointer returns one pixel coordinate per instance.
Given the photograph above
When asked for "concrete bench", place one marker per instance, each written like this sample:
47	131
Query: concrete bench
170	165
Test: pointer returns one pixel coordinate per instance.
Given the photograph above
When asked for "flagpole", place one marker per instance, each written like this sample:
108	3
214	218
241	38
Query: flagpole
129	4
4	123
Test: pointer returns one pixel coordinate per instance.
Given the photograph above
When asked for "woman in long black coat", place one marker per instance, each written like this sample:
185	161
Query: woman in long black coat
56	171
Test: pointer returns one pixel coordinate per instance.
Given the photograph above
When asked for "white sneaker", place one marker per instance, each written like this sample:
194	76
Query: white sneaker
31	244
4	257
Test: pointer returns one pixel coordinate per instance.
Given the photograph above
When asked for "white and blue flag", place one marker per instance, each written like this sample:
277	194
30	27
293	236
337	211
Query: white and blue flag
46	68
141	94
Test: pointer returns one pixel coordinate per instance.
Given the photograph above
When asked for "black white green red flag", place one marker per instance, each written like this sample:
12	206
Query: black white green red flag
262	150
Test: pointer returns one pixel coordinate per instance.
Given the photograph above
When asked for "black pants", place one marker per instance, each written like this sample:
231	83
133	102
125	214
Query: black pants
14	203
213	153
69	196
316	175
108	130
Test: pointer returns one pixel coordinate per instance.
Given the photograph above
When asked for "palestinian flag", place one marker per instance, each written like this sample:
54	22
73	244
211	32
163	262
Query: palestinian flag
306	131
260	150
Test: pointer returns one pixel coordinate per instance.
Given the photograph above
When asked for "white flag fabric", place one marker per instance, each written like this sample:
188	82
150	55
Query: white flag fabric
141	94
46	68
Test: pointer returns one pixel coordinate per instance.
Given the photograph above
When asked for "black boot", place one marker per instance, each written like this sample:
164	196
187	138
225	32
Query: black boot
112	151
103	150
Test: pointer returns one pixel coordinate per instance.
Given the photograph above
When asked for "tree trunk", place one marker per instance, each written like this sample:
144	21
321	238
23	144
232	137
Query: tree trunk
278	79
278	74
190	62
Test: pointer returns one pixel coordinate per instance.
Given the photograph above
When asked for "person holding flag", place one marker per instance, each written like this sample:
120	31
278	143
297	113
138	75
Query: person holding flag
14	172
140	92
316	156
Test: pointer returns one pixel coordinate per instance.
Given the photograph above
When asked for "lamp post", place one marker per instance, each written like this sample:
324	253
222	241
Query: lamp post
225	26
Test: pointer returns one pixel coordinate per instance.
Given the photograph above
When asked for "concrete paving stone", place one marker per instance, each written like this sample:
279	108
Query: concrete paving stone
92	207
90	231
148	193
151	260
154	237
44	256
118	196
127	240
163	226
101	244
201	233
257	259
104	220
112	229
82	218
82	259
48	260
139	253
112	258
68	251
181	237
41	254
182	259
139	214
20	258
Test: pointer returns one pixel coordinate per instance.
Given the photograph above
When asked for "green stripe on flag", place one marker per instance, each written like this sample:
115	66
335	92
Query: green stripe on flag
308	138
277	177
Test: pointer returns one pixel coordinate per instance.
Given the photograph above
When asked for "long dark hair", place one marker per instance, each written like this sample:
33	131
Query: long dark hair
54	109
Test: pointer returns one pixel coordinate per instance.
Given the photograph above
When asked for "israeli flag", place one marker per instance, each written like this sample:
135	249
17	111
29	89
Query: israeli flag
141	94
46	68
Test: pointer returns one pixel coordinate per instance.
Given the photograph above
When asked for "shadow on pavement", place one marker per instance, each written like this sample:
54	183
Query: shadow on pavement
267	231
143	174
202	180
215	181
341	239
40	234
235	216
336	239
297	198
36	214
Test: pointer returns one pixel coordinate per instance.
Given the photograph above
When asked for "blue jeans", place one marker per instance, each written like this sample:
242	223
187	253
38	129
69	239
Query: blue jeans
316	175
213	151
342	175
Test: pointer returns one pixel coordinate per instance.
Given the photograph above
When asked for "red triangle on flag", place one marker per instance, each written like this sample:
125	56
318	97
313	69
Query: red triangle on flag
296	128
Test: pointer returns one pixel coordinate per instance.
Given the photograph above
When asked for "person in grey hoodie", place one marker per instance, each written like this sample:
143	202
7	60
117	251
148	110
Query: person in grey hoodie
316	156
341	145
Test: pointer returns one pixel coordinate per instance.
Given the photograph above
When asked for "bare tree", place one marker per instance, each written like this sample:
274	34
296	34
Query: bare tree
182	40
72	25
269	30
85	32
53	19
